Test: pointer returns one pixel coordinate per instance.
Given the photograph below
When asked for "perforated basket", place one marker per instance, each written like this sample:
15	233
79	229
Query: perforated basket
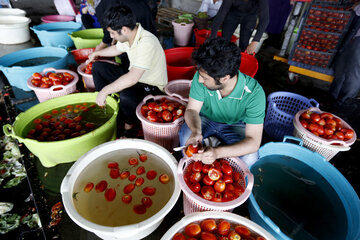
44	94
179	88
164	134
281	109
231	217
320	145
195	203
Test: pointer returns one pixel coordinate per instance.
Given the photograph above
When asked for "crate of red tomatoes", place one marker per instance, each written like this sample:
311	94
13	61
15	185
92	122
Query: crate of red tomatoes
323	132
51	83
161	118
216	225
220	186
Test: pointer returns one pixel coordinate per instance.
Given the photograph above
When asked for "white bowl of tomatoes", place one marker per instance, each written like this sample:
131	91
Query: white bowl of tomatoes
51	83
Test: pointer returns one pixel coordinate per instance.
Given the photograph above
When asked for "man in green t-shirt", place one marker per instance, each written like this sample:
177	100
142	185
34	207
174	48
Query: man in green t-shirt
223	103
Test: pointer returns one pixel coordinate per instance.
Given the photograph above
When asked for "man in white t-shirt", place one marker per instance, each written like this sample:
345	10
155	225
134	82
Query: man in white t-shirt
147	71
211	7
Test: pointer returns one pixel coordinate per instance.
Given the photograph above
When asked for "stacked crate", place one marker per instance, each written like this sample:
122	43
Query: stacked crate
321	33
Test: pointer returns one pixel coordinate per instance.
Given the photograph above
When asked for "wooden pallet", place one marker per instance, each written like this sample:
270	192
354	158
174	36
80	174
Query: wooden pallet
166	15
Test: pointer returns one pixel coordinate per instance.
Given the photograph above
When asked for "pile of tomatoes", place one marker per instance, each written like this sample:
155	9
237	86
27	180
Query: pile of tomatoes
62	124
325	125
134	181
216	182
88	68
216	229
51	79
162	111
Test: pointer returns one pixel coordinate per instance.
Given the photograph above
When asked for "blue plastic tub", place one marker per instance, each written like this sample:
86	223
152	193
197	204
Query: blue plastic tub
297	194
20	65
56	34
281	109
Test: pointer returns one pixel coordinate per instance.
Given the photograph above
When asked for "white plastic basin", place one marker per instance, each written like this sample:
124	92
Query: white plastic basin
12	12
14	29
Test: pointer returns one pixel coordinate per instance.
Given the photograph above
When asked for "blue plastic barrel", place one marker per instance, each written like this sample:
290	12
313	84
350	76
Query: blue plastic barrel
56	34
20	65
312	175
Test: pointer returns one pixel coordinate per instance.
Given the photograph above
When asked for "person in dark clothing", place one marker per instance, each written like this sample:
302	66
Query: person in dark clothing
243	12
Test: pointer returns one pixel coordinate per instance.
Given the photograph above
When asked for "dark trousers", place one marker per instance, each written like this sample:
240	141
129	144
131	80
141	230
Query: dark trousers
106	73
346	83
247	25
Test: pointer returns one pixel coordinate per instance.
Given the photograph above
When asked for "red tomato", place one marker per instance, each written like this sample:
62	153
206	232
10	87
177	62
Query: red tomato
36	82
197	167
315	117
304	123
328	130
133	161
207	236
143	157
157	108
208	225
214	174
190	150
151	174
179	236
164	178
339	135
126	199
196	177
243	231
306	114
90	125
139	181
139	209
227	179
207	180
228	195
207	192
110	194
101	186
326	115
192	230
66	74
140	170
223	228
206	168
218	197
226	168
129	188
238	189
88	187
321	122
37	75
337	120
166	115
313	127
330	121
219	186
234	236
348	133
132	177
152	117
146	201
320	130
114	173
195	187
149	191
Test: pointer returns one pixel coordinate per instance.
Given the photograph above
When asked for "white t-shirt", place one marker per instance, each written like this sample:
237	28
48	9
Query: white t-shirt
147	53
210	7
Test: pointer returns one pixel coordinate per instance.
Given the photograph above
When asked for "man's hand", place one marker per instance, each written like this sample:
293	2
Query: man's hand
251	48
101	98
206	155
92	57
194	139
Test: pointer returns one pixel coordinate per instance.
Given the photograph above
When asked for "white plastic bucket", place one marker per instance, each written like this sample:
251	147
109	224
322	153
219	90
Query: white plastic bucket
14	29
131	231
182	33
12	12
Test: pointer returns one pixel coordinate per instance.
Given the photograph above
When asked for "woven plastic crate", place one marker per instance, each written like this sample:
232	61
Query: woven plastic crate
179	88
325	147
164	134
194	203
44	94
281	110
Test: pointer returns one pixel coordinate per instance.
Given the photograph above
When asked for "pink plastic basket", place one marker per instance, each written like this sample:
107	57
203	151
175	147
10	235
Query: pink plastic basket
194	203
318	144
164	134
57	18
87	78
179	88
44	94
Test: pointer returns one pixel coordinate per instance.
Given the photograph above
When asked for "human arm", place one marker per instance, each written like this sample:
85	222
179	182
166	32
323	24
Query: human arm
100	46
192	119
220	16
125	81
263	19
204	6
111	51
250	144
356	8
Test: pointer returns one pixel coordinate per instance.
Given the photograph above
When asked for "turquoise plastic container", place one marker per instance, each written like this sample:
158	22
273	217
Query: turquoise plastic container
32	60
321	175
56	34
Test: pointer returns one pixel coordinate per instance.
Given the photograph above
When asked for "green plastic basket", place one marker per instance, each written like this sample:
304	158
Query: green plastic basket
53	153
88	38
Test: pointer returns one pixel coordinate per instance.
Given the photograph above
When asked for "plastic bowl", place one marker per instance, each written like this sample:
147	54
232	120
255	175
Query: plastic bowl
57	18
132	231
88	38
81	55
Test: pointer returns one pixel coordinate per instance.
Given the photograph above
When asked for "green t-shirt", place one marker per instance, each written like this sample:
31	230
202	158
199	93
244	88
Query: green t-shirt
246	102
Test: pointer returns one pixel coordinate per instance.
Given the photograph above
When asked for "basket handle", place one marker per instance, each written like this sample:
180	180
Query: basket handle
57	86
314	102
147	98
177	96
181	165
8	131
293	140
50	69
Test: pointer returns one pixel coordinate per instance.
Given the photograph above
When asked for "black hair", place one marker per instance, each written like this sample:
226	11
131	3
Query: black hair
218	57
119	16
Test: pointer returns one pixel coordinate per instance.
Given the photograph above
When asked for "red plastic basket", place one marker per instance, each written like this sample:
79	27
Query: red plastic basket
81	55
202	34
164	134
179	88
44	94
318	144
249	64
194	203
179	63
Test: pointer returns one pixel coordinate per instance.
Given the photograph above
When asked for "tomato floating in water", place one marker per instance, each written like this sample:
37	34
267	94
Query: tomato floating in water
192	230
110	194
101	186
139	181
164	178
207	236
146	201
234	236
149	191
208	225
139	209
143	157
243	231
133	161
124	174
151	174
129	188
223	228
126	199
179	236
140	170
88	187
132	177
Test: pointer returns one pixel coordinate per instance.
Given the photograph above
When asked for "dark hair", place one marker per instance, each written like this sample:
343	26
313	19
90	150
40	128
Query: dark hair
119	16
218	57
